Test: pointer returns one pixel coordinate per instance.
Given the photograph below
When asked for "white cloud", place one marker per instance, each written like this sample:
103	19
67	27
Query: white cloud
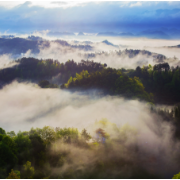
130	4
124	3
71	3
153	5
45	4
56	4
136	4
10	4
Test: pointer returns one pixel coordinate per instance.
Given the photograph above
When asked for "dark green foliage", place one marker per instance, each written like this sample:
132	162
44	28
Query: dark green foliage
163	82
111	80
37	149
2	131
34	69
7	157
46	84
160	67
177	112
23	147
160	80
3	172
52	155
10	143
1	136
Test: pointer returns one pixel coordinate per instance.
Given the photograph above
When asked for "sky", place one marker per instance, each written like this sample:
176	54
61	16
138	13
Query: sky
161	18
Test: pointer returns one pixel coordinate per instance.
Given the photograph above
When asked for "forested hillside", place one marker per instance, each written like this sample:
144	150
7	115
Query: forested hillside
69	153
50	152
113	81
160	82
42	153
35	69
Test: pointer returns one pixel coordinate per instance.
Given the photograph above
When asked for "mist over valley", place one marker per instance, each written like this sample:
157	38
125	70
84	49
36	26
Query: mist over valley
89	90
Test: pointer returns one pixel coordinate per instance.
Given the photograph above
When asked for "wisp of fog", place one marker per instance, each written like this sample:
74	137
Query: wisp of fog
63	53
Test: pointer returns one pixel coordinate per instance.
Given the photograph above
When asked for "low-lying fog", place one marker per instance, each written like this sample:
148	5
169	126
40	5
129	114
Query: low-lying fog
63	53
25	105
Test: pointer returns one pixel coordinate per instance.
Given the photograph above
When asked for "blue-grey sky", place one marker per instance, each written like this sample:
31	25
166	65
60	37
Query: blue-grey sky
136	17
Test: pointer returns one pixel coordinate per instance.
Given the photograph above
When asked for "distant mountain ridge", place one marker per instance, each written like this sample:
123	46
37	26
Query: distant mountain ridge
160	33
154	34
124	34
56	33
22	45
7	36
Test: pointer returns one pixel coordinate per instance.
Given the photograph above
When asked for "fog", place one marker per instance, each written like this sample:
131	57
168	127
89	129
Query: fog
29	105
63	53
25	105
168	52
6	60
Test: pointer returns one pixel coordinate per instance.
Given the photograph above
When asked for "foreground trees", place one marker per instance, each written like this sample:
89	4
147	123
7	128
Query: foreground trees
14	175
63	153
69	153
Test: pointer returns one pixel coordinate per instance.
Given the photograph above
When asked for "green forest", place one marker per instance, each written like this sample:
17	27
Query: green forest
158	84
35	69
68	152
89	90
113	81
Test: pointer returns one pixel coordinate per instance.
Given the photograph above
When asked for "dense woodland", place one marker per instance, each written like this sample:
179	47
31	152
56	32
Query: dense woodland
49	152
160	80
113	81
34	69
69	153
158	84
